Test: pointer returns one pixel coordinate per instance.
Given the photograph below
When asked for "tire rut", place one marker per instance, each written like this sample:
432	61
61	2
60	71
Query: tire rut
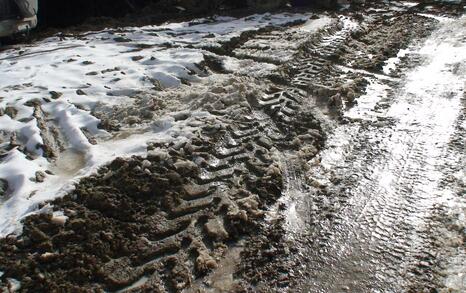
165	222
378	236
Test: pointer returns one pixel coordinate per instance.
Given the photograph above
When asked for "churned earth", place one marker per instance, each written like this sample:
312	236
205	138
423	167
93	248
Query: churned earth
281	152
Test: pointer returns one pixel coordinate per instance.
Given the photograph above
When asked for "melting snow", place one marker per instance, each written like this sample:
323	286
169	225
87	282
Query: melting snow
70	76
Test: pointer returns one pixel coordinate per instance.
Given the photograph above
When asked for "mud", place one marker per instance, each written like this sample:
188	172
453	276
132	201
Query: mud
207	213
164	219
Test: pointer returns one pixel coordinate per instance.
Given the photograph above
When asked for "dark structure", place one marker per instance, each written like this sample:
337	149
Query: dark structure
17	16
8	10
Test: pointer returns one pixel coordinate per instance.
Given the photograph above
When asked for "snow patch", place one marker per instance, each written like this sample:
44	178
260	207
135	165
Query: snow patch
69	77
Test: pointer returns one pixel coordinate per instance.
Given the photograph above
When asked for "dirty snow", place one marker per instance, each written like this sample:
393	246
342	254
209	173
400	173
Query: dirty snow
72	75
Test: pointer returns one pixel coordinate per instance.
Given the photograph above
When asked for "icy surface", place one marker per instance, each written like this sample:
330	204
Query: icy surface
70	76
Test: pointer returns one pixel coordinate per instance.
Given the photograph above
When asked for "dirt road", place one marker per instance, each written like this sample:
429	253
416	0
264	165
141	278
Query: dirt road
292	152
393	181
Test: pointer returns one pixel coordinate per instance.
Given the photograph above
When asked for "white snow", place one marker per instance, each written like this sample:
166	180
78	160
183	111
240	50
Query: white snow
313	25
391	63
108	67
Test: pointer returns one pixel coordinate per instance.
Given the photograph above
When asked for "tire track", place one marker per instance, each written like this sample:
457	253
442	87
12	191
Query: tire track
380	236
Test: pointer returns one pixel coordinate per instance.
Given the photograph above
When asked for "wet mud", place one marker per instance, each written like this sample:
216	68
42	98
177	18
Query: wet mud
210	213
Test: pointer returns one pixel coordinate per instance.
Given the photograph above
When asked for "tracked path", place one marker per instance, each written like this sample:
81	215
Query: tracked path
386	176
228	191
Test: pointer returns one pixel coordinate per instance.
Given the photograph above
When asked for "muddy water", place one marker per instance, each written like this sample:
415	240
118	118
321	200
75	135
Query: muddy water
388	175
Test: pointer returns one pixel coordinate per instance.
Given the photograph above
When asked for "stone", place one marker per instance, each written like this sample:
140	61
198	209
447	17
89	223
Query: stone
204	262
137	58
3	187
55	95
11	111
40	176
146	164
216	230
186	168
59	220
80	92
121	40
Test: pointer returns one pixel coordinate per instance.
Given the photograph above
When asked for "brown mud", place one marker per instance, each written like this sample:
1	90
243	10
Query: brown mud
168	221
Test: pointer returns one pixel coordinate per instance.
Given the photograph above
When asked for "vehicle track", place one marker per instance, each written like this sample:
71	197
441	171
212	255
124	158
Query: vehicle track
383	200
165	222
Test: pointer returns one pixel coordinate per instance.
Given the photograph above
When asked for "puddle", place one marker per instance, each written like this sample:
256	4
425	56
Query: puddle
69	163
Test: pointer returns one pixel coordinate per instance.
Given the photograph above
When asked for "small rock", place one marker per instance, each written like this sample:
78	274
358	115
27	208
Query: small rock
71	213
132	120
48	256
336	101
186	168
315	133
93	140
424	264
146	114
209	36
351	96
87	62
11	111
265	142
146	164
55	95
121	40
59	220
308	151
204	262
108	175
137	58
92	73
181	116
110	70
80	92
158	155
33	103
3	187
40	176
216	230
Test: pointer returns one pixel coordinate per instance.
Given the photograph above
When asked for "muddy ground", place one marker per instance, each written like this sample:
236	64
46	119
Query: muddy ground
196	216
82	16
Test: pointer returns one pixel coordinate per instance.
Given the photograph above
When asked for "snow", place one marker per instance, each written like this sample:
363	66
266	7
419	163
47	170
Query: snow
26	195
100	69
313	25
391	63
